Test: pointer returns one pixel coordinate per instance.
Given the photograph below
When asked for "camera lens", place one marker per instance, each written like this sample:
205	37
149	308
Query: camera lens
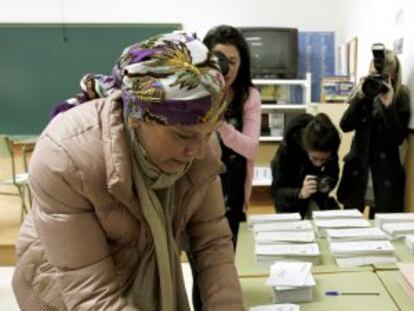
371	87
324	184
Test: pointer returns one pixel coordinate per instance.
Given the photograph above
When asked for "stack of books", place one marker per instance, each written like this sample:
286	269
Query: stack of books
398	229
385	218
285	240
291	282
361	253
409	241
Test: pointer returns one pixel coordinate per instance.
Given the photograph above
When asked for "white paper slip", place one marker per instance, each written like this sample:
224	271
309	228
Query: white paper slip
269	218
350	262
399	229
281	237
383	218
335	214
409	241
359	234
276	307
342	223
347	249
309	282
294	274
310	249
303	225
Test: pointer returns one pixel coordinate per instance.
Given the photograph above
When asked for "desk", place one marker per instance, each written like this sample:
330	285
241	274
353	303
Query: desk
248	267
390	281
255	292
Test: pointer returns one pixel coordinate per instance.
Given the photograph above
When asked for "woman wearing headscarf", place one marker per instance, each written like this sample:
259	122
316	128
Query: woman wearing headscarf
118	181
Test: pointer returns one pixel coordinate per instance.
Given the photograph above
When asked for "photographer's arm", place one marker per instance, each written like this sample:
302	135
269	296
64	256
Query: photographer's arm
285	196
395	116
358	111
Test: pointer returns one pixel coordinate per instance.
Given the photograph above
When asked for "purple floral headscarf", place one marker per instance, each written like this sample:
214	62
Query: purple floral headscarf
171	78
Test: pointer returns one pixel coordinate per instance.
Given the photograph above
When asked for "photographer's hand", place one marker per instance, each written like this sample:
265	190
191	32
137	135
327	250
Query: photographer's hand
387	98
309	187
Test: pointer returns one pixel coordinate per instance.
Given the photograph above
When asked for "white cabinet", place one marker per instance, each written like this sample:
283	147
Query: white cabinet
282	112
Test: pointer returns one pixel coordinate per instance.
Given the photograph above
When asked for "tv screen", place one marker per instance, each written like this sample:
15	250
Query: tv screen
273	52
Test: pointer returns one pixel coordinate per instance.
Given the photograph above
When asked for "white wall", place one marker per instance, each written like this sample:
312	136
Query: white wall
315	15
376	21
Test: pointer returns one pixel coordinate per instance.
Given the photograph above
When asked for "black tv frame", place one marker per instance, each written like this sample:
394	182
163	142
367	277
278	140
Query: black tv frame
272	73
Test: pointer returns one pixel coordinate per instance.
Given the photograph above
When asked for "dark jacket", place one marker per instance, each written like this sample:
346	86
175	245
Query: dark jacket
379	131
290	166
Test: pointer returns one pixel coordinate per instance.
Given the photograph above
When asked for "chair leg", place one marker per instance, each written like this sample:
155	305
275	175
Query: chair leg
23	201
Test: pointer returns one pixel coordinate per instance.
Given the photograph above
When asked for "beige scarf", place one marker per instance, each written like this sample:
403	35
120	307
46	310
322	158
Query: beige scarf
158	285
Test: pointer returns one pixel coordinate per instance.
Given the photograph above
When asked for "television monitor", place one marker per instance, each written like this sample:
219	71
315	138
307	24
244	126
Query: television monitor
273	51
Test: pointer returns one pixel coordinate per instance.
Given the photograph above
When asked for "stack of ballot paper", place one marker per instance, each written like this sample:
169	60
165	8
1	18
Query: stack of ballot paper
271	218
409	241
384	218
270	237
277	307
291	281
336	214
267	254
341	223
288	226
359	234
407	278
360	253
398	229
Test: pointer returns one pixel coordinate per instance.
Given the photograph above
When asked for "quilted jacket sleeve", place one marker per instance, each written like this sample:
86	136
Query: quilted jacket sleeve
70	233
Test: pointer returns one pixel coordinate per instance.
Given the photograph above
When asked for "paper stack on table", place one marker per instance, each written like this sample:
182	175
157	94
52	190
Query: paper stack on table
277	307
385	218
288	226
359	234
409	241
360	253
291	281
323	225
338	219
269	253
283	237
272	218
398	230
336	214
407	278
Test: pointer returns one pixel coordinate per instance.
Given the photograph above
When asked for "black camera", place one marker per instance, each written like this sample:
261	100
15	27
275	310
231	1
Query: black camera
222	62
374	84
324	183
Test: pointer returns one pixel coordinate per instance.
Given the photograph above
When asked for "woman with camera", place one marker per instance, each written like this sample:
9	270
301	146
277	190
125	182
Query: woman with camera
305	168
379	113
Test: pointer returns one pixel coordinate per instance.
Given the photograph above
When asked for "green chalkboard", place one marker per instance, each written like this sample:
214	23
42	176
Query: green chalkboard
41	65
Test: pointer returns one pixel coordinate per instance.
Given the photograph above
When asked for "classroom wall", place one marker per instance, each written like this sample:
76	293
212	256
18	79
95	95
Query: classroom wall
315	15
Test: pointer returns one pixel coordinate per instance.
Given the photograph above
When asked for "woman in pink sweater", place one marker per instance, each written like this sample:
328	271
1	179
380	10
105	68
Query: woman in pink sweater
239	132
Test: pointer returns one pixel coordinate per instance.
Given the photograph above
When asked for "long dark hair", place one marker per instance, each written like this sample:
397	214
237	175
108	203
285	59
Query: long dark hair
225	34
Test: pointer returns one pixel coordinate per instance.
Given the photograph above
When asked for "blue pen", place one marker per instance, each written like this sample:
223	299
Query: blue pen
338	293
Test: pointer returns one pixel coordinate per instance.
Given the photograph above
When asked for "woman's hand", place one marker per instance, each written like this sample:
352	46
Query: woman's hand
309	187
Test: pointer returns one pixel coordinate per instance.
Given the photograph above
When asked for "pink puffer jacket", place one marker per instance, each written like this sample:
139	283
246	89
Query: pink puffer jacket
81	243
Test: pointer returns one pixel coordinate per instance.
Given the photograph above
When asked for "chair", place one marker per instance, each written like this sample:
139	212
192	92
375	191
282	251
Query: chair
18	180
